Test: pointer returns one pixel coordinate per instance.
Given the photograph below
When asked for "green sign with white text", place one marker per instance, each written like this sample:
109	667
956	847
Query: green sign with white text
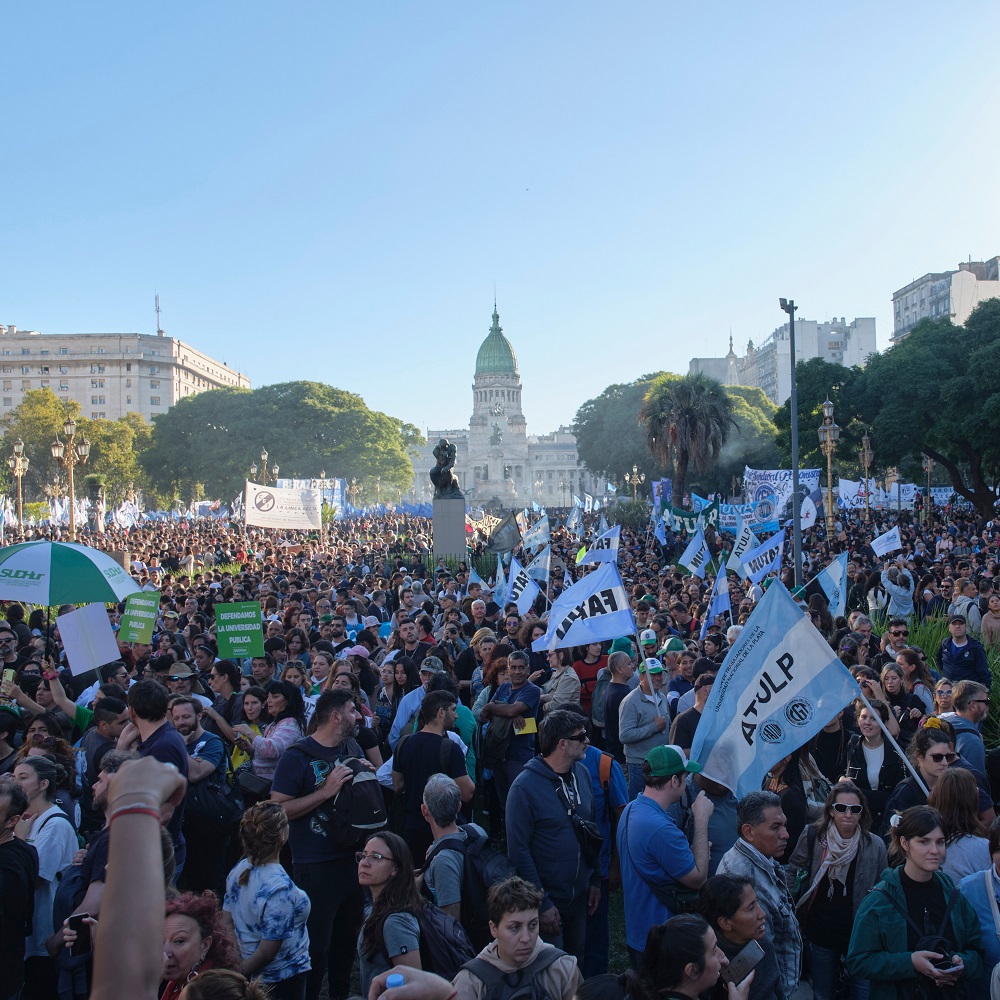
139	618
239	630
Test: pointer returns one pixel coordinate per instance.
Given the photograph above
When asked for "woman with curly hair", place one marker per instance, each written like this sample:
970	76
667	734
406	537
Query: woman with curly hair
269	911
390	935
196	937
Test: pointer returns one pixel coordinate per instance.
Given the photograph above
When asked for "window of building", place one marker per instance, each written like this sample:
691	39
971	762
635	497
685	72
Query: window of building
154	383
93	401
93	383
128	383
7	369
44	369
64	369
8	401
25	384
100	350
101	400
154	400
25	369
128	400
64	386
128	366
154	369
44	350
25	350
64	350
45	383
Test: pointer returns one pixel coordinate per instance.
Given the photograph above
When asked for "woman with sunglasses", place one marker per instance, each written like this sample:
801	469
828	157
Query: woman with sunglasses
942	697
834	865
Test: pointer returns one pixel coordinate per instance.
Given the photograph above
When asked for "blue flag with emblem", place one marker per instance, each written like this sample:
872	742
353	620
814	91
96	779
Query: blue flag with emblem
603	525
659	532
594	609
538	568
833	580
778	686
537	536
720	604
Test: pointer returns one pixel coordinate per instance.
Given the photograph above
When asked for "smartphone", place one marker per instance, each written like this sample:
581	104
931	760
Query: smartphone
743	963
82	945
945	965
8	675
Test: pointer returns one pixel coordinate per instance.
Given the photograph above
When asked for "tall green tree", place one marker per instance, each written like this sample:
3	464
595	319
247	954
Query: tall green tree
36	420
687	421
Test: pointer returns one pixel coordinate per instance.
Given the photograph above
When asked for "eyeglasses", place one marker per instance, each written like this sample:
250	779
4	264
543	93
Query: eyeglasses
843	807
6	638
899	632
578	738
44	739
373	857
938	757
980	701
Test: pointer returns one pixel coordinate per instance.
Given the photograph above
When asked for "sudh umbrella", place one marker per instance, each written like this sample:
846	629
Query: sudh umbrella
53	573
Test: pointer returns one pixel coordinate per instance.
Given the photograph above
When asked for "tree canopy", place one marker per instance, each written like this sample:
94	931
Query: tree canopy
208	442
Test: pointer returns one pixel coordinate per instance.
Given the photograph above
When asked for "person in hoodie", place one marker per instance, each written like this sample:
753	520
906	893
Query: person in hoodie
542	842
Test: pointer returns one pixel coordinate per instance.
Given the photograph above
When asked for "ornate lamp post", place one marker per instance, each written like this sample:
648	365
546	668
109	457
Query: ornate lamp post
562	490
636	479
18	463
828	433
71	454
539	486
263	469
353	490
928	464
867	455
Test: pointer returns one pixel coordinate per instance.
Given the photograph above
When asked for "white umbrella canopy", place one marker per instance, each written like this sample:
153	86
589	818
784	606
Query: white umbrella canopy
53	573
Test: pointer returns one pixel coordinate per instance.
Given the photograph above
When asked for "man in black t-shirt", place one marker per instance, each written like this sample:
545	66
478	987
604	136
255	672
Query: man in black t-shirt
308	777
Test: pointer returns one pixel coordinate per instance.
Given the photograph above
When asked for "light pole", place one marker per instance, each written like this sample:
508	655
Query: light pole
539	486
353	490
18	463
323	485
635	481
867	455
71	454
562	489
788	306
264	469
928	464
378	490
828	432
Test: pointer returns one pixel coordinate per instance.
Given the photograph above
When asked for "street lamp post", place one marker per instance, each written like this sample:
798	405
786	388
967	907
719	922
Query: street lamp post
353	490
264	469
378	490
788	306
866	460
71	454
539	486
635	481
828	432
18	463
562	490
928	464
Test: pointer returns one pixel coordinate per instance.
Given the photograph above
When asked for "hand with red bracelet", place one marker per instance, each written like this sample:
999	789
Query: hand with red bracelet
146	784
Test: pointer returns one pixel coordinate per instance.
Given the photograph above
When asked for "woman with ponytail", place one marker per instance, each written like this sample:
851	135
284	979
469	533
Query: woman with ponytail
269	911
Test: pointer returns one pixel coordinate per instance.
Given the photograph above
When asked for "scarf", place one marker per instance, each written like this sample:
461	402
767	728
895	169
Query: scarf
837	858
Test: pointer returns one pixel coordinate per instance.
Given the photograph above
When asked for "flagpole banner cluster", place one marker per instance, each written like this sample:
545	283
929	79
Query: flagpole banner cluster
288	508
779	685
771	490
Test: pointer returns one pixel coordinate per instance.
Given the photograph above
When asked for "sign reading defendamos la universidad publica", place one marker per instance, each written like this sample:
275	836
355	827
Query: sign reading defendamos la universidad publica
139	617
239	630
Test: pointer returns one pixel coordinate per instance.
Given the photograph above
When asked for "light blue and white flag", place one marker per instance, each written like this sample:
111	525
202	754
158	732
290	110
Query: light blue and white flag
696	555
567	579
594	609
538	568
745	541
500	590
474	577
889	542
833	580
522	590
720	604
764	559
574	519
611	488
776	689
588	503
537	536
603	525
604	547
659	532
577	502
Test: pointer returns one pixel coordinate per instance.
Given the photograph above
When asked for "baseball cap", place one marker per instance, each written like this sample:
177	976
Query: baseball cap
622	645
648	599
673	645
431	665
668	760
648	637
957	618
358	651
651	665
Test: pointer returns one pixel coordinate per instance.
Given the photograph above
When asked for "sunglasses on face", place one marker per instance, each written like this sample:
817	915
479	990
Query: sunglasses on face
44	740
899	632
578	738
939	757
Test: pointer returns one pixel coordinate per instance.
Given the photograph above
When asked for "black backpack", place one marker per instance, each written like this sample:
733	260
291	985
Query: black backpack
483	867
444	945
524	984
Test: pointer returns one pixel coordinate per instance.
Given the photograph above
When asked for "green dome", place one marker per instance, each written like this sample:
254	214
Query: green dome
496	356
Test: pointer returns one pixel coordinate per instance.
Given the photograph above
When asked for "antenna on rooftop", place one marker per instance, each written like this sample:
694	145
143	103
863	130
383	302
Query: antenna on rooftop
159	331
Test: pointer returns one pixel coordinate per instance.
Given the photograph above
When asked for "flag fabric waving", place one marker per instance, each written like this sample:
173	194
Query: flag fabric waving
777	687
594	609
500	590
538	568
833	580
604	547
537	536
696	555
720	603
521	589
766	558
745	541
887	543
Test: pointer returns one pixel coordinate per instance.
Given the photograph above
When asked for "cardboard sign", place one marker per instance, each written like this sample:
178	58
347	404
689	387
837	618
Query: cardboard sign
88	638
139	618
239	630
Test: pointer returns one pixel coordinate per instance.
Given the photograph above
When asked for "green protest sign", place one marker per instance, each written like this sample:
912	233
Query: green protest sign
239	630
139	617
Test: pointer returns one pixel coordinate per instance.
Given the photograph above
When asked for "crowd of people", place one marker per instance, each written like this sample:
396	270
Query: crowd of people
401	796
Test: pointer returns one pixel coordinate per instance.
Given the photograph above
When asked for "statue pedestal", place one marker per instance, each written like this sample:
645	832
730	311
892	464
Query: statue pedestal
449	527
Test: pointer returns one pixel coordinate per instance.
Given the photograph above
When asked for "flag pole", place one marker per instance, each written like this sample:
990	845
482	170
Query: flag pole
887	735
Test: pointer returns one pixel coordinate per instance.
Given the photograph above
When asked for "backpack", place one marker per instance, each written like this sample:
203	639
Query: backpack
482	868
496	737
524	984
70	890
358	809
444	945
599	699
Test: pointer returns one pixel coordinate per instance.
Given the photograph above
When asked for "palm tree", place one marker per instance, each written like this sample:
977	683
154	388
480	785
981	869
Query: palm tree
687	420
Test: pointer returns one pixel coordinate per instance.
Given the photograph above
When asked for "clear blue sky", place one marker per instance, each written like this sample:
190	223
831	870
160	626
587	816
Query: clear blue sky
331	190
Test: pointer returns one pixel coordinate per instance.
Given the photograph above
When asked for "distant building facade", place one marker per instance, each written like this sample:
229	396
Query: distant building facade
945	295
108	374
496	458
768	365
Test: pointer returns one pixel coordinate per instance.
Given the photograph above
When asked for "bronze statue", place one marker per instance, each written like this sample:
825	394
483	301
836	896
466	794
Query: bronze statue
444	480
497	438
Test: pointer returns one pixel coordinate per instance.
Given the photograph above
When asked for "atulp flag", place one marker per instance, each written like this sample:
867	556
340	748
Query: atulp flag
604	548
720	602
887	543
764	559
592	610
537	536
696	555
776	689
522	590
833	580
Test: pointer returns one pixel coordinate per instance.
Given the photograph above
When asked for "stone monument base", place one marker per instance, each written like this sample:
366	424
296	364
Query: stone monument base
449	527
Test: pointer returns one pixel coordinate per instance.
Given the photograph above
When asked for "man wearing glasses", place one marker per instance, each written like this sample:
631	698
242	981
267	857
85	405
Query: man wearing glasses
971	703
898	637
8	647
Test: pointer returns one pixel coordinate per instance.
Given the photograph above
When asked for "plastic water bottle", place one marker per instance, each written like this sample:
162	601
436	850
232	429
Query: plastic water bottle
394	981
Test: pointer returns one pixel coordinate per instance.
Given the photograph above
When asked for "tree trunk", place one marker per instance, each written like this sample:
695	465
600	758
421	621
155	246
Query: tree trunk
680	477
979	493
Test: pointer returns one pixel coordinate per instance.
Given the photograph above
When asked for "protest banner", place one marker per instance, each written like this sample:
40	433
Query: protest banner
88	639
239	630
291	509
139	618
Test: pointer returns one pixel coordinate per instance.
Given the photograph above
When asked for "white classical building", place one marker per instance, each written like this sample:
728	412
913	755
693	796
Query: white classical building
108	374
496	458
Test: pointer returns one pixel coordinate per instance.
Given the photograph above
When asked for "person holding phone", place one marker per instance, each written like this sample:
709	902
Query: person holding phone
729	904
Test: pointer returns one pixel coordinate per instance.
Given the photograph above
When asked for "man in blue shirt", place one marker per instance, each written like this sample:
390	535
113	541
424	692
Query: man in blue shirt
656	858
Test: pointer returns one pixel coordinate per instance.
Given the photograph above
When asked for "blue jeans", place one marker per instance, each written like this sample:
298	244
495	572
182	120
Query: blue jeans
826	974
636	782
595	954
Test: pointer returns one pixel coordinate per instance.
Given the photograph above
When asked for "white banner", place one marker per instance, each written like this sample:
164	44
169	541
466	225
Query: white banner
771	491
274	507
889	542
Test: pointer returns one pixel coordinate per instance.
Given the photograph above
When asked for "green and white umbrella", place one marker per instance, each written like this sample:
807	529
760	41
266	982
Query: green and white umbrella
53	573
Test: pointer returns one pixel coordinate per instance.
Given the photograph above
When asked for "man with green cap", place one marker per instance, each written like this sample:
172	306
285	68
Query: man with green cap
643	721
